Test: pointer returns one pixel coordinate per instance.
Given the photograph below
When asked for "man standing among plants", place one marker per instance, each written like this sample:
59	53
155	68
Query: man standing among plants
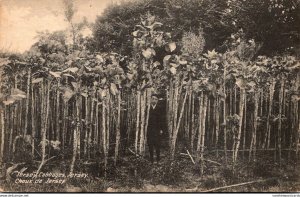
156	127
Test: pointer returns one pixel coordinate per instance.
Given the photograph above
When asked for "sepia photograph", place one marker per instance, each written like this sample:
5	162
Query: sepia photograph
150	96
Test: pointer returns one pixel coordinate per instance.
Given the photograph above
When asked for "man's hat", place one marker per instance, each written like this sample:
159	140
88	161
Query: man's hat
155	94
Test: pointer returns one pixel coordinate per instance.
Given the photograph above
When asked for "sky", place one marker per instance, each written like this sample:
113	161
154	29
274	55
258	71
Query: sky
21	19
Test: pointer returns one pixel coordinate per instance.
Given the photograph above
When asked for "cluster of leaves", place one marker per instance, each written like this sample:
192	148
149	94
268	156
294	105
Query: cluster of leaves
79	70
148	41
82	73
112	29
274	23
193	44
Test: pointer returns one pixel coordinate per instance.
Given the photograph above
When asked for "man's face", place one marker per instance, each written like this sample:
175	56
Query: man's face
154	100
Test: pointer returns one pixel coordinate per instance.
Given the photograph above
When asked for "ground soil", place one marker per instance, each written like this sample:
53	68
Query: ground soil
137	174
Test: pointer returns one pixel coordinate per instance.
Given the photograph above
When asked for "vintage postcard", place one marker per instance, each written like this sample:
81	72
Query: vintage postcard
149	96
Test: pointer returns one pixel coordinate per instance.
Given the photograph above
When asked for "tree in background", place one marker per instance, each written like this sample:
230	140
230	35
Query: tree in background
275	23
112	30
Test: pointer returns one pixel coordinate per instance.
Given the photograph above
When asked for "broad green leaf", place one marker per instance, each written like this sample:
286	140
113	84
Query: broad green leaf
15	96
294	67
97	68
221	94
72	69
214	61
23	170
102	93
154	25
276	119
173	70
166	59
168	35
17	93
295	98
100	58
69	63
137	33
55	74
241	83
236	117
251	90
211	54
141	27
95	83
196	84
113	88
68	75
37	80
148	53
103	80
183	62
174	65
151	19
75	85
252	83
9	100
170	47
87	63
88	68
68	94
84	94
28	139
204	80
156	64
159	40
55	144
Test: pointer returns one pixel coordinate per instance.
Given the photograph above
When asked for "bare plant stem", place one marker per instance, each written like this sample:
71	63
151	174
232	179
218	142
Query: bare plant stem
118	129
241	112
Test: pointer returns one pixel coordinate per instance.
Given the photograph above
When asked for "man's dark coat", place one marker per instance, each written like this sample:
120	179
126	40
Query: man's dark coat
156	122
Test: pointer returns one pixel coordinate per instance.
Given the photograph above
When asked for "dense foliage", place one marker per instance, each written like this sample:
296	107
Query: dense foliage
274	23
71	102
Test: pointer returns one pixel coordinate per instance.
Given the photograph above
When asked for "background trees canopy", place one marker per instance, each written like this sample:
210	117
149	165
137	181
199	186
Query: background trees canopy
274	23
227	71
